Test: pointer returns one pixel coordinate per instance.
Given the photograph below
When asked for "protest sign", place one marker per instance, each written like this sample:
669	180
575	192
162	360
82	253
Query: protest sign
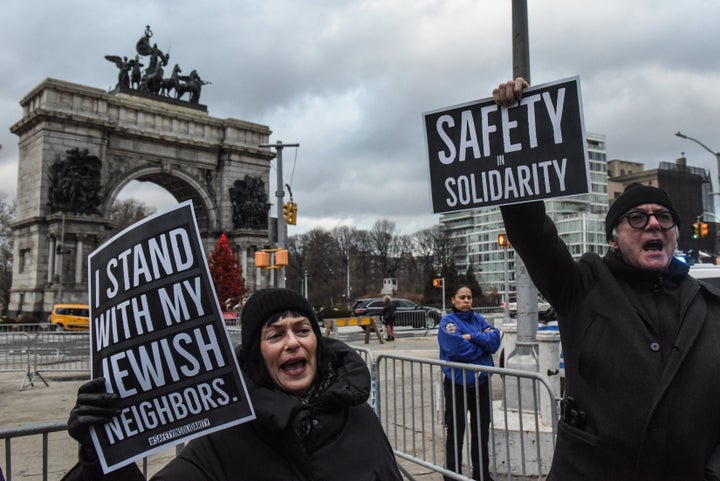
482	155
158	337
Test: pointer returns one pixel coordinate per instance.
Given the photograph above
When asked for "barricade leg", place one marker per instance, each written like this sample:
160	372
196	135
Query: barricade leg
329	327
374	327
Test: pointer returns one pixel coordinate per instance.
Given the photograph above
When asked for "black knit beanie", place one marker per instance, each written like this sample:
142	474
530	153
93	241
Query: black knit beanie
634	195
266	302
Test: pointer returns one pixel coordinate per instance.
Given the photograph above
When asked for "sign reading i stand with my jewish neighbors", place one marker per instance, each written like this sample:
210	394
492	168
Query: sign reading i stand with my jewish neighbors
158	337
482	155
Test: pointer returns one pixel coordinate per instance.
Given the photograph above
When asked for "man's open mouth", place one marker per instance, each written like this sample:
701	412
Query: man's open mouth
653	245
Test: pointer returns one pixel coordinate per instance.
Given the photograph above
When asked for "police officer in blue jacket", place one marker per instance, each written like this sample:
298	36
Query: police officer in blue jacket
466	337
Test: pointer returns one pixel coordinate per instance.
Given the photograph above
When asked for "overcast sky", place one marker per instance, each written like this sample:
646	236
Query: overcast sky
349	80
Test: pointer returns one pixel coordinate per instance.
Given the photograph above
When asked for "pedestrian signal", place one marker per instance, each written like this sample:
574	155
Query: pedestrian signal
281	258
262	259
703	229
438	282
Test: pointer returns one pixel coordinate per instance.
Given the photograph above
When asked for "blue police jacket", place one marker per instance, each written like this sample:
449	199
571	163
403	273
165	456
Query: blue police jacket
484	341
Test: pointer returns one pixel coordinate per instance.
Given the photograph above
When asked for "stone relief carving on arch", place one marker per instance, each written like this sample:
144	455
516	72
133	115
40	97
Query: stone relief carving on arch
75	183
250	203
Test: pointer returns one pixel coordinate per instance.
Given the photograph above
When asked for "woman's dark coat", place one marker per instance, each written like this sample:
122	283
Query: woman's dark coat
345	441
642	360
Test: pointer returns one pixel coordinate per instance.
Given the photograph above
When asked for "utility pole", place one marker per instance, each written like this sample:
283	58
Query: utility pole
347	280
280	194
524	357
527	311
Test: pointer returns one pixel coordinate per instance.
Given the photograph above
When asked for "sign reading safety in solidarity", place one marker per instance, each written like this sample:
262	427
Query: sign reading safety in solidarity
482	155
158	338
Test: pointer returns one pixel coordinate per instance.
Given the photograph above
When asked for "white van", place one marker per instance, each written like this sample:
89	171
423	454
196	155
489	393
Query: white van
709	273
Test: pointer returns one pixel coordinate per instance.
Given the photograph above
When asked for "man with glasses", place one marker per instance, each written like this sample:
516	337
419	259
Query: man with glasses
641	341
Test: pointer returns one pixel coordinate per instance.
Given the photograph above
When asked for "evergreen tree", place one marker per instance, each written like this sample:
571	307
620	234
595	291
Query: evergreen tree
474	285
226	274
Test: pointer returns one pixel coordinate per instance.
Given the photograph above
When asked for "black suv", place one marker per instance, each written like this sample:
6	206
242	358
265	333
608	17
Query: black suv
407	313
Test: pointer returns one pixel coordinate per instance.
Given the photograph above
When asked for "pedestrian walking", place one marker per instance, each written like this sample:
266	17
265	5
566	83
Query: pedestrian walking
465	336
388	314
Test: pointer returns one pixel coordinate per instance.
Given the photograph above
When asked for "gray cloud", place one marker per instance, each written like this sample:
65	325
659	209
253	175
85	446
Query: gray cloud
349	80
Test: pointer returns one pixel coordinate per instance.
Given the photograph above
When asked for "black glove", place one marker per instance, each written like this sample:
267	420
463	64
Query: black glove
94	406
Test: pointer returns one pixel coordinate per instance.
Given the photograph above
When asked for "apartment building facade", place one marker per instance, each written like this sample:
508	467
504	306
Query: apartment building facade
580	220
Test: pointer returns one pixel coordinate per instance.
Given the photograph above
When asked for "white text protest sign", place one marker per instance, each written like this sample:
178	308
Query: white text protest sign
159	339
482	155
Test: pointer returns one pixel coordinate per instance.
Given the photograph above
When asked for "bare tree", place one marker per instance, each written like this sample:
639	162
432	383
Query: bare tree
384	238
439	249
363	266
127	212
371	256
322	260
344	237
297	262
7	217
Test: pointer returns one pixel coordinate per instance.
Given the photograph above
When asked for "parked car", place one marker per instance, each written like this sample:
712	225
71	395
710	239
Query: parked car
70	317
709	273
545	310
407	313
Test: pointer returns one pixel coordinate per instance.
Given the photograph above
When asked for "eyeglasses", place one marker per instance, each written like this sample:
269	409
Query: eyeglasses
639	219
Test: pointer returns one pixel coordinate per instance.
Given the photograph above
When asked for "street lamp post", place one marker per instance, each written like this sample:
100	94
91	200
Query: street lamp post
716	154
279	194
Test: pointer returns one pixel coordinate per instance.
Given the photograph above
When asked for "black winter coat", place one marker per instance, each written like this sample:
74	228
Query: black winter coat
642	360
345	441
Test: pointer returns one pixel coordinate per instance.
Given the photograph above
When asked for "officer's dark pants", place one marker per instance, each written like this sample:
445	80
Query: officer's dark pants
477	402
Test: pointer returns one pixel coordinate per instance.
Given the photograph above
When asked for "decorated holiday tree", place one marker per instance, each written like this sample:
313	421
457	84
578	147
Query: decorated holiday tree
226	274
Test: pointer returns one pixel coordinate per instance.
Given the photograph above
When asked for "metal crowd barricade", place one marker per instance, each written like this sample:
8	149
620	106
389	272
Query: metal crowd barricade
408	397
43	430
59	352
417	319
26	327
410	405
59	429
15	352
368	323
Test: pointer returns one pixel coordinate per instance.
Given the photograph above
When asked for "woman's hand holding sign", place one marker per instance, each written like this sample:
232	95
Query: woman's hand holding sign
94	406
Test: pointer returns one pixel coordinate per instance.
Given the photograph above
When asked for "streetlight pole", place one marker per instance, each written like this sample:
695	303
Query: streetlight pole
527	310
716	154
279	194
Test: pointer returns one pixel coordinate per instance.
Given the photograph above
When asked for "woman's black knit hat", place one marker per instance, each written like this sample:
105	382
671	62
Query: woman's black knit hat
634	195
266	302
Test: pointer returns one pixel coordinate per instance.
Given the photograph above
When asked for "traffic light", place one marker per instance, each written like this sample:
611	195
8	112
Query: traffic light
292	220
287	211
503	241
438	282
696	229
703	229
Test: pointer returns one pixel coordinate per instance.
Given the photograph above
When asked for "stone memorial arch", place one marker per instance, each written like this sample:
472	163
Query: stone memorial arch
80	146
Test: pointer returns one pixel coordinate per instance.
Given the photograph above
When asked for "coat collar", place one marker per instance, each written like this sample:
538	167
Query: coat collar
671	277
